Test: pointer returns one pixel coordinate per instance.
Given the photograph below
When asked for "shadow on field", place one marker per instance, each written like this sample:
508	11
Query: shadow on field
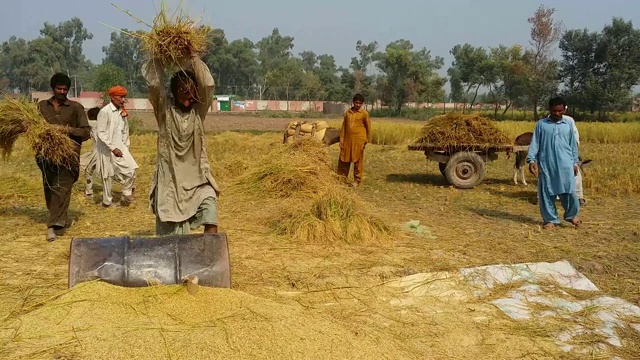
37	214
522	195
505	216
420	178
143	233
494	181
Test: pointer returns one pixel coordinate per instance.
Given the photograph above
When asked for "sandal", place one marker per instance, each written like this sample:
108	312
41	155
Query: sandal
548	226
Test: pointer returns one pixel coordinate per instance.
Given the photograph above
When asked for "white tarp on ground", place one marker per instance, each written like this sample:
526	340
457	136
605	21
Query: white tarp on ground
535	286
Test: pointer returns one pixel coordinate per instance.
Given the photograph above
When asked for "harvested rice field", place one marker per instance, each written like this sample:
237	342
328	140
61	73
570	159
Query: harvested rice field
323	270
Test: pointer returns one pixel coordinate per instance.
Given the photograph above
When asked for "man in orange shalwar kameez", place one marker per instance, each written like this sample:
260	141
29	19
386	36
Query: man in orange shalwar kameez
355	133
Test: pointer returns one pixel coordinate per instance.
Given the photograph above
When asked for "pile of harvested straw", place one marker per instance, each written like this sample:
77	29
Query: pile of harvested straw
333	216
172	38
296	168
50	142
454	130
96	320
310	202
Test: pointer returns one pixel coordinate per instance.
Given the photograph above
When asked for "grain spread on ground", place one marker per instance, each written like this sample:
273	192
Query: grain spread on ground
100	321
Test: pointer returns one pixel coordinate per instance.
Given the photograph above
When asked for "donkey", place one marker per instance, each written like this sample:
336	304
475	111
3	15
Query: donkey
524	139
521	156
331	136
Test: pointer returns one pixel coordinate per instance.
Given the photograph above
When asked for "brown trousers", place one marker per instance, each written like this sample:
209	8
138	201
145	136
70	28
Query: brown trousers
358	168
57	182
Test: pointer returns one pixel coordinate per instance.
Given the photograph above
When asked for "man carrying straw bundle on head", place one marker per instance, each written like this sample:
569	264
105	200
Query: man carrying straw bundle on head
114	159
58	180
355	133
553	157
184	193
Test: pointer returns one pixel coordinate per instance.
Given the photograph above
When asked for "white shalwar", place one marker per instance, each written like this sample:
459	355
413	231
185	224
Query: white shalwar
113	133
572	122
88	160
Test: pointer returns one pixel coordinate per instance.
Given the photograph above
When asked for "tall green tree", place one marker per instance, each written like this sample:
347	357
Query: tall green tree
470	69
69	37
542	68
126	52
285	79
107	75
327	72
409	75
274	53
600	68
30	64
363	81
234	64
505	77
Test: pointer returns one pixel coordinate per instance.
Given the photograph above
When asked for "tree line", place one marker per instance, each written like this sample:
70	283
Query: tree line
596	71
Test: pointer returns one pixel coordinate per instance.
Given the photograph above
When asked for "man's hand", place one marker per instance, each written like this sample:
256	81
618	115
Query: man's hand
341	145
117	152
533	168
61	127
575	170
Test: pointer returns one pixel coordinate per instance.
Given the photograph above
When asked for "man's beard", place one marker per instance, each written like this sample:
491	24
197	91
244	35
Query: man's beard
183	107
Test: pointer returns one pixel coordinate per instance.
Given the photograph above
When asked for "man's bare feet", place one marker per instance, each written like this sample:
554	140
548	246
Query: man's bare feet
549	226
51	234
211	229
575	222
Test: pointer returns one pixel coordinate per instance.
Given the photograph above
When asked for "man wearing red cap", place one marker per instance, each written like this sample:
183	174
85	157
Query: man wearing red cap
183	193
114	159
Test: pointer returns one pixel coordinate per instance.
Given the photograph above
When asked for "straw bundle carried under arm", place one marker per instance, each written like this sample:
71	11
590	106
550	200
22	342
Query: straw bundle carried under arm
49	142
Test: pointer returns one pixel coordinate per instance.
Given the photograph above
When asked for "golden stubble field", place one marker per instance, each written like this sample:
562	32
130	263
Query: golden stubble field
491	224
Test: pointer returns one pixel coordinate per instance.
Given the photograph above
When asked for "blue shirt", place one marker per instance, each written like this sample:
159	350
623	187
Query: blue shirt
554	147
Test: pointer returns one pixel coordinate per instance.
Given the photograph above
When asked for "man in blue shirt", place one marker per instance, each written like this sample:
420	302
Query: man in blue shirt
553	157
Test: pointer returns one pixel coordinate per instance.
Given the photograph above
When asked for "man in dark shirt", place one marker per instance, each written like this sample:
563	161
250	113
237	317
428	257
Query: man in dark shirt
58	180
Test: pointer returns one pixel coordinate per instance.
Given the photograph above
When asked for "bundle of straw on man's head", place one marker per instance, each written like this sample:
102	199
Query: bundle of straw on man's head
171	42
172	38
49	142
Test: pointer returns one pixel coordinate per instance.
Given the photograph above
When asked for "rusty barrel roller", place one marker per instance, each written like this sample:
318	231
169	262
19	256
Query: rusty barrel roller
143	261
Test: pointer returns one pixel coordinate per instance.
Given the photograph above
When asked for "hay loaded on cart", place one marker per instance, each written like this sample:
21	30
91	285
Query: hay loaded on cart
462	145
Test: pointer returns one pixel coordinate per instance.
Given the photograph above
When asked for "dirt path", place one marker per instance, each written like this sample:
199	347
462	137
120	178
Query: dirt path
217	122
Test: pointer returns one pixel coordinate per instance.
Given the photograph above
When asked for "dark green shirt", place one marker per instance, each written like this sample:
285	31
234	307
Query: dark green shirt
70	114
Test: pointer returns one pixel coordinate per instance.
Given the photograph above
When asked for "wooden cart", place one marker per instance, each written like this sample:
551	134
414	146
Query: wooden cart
464	166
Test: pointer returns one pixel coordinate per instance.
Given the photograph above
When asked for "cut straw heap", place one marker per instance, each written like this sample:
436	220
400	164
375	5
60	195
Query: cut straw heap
172	38
454	130
312	204
22	117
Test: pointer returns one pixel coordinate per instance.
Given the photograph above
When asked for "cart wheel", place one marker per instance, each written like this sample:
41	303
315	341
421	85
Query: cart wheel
465	170
443	168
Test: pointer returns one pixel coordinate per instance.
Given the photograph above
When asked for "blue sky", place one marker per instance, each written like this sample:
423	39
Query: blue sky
331	26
